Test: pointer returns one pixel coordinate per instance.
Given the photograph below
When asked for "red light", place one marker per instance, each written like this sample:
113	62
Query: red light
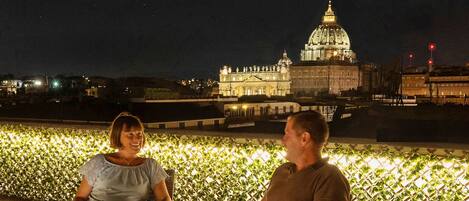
411	55
430	61
431	46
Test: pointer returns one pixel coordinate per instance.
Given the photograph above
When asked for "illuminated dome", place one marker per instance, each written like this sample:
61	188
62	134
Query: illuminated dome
329	41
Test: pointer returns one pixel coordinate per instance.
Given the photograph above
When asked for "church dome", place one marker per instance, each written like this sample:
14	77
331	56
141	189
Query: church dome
328	41
329	36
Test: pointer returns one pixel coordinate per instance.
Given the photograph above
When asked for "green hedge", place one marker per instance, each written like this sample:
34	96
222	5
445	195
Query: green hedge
42	164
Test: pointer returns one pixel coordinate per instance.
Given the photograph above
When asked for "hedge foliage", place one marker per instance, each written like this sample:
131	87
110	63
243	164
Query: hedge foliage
42	164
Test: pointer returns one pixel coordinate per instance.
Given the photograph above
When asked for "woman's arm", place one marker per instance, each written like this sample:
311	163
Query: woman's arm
161	192
83	191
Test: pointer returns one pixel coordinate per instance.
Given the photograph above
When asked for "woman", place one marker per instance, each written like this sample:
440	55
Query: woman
123	176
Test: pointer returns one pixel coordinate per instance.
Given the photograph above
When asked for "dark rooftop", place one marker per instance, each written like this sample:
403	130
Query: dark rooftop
102	111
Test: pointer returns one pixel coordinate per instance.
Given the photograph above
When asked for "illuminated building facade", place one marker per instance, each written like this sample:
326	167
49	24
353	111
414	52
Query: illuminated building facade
328	65
443	85
414	84
10	87
272	80
328	41
264	109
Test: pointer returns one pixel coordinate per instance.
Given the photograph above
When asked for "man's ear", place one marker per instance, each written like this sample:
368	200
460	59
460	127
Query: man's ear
305	138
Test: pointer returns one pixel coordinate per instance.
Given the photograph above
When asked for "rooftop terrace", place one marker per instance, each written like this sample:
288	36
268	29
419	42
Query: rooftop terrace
40	162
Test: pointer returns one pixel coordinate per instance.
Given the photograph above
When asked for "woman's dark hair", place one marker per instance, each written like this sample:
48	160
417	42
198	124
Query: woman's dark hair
123	121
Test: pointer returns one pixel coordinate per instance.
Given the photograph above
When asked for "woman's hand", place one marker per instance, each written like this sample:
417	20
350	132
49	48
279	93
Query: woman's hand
161	192
83	191
80	199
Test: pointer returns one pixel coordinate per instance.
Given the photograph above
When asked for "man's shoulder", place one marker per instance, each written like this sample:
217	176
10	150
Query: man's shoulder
284	168
286	165
330	169
334	184
331	174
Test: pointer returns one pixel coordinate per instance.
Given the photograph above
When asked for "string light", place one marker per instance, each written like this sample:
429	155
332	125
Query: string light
42	164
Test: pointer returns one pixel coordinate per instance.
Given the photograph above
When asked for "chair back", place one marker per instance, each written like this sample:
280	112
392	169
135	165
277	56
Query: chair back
170	181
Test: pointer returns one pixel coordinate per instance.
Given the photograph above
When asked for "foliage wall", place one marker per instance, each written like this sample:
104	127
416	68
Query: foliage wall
42	164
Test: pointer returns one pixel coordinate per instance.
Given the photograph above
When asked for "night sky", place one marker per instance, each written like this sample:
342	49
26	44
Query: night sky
181	39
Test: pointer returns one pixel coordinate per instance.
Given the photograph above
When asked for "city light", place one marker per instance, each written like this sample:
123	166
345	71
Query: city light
55	84
37	83
431	46
430	61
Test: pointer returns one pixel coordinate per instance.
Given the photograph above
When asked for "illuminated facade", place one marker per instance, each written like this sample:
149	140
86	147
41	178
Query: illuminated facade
413	84
328	41
328	65
442	85
272	80
264	109
10	87
323	79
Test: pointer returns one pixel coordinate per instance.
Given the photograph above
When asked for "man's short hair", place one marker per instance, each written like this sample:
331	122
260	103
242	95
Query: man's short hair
313	123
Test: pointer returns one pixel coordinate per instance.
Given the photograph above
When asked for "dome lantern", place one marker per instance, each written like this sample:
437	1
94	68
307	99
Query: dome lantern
329	16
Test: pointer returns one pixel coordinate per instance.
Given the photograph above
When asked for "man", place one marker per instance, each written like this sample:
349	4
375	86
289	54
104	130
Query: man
307	176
